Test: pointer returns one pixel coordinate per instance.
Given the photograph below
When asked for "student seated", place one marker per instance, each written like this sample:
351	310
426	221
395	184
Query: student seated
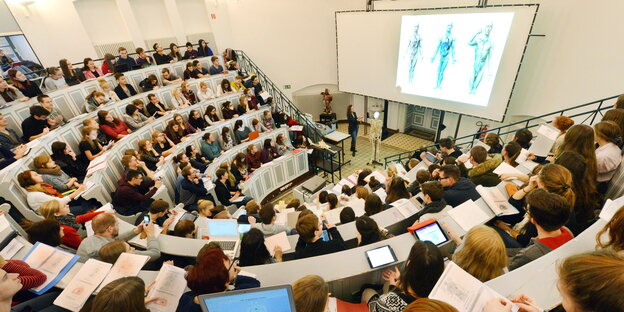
158	213
368	232
482	254
38	192
205	93
549	213
210	115
190	53
143	59
53	175
237	84
269	152
224	88
160	56
204	209
268	226
253	157
241	132
579	274
225	196
373	205
608	154
124	90
216	68
155	108
196	121
149	84
124	62
134	119
112	126
124	294
192	188
281	146
523	137
423	268
149	155
7	157
55	80
174	133
15	276
189	71
109	94
311	244
611	236
226	141
482	171
196	159
36	125
252	210
199	71
90	71
106	230
28	88
72	76
185	228
178	99
184	125
209	147
203	49
253	251
457	189
256	125
397	190
67	160
9	93
347	215
133	195
174	52
228	111
447	149
435	206
212	273
162	144
311	294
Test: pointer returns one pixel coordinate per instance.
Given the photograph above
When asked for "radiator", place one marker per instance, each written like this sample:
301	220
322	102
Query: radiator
113	47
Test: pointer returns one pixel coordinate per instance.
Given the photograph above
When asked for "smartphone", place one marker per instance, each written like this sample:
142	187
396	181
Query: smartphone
325	236
146	220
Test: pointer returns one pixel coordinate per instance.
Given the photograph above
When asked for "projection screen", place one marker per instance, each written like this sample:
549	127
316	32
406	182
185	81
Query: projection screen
462	60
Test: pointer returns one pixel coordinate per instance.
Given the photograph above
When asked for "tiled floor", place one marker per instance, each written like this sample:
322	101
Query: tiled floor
363	156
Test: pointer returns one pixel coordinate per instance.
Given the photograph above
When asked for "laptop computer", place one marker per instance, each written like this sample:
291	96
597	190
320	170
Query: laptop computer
224	232
253	135
273	299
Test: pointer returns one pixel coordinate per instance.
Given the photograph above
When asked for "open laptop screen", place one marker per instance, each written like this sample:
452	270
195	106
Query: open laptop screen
270	299
222	228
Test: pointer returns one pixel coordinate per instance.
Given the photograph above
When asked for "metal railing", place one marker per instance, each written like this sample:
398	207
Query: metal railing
280	99
589	111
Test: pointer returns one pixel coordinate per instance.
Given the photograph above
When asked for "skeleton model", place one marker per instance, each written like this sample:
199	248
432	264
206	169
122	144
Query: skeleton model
375	137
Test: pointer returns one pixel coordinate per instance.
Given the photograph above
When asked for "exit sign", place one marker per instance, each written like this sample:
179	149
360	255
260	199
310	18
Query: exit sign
286	87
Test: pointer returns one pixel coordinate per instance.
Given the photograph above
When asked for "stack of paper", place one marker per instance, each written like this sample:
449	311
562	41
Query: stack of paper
468	215
11	248
337	189
179	212
76	293
52	262
382	194
610	208
497	202
169	286
126	265
357	204
97	164
280	240
333	216
546	137
405	207
463	291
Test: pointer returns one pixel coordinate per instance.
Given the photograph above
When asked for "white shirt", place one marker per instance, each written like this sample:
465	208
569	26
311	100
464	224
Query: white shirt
608	158
204	96
35	199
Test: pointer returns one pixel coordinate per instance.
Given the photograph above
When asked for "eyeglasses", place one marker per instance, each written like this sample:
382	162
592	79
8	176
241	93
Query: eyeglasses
441	178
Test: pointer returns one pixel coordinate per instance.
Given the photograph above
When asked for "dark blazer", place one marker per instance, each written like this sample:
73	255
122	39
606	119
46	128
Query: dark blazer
121	94
223	193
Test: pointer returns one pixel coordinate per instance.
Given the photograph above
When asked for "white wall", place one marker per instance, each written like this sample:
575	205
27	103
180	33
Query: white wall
54	30
194	16
102	30
153	20
8	25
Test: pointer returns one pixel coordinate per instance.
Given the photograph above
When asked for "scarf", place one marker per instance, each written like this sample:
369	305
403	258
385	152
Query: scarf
44	188
54	171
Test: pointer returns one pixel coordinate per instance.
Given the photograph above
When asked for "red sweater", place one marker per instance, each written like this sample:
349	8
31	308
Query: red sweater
29	277
71	238
113	131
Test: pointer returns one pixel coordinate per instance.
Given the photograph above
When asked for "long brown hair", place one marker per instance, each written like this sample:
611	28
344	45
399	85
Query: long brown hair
513	150
616	115
580	139
65	68
614	228
349	110
587	198
558	180
397	190
594	280
126	294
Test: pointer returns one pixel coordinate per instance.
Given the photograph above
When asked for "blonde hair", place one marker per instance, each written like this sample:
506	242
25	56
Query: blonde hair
311	294
392	171
204	204
103	84
202	84
483	254
49	208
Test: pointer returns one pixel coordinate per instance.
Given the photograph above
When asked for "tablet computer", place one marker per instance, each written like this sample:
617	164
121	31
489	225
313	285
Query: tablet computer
188	216
430	157
380	256
429	230
274	299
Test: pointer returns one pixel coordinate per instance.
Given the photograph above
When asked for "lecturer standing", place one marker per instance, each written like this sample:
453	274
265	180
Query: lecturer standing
354	127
